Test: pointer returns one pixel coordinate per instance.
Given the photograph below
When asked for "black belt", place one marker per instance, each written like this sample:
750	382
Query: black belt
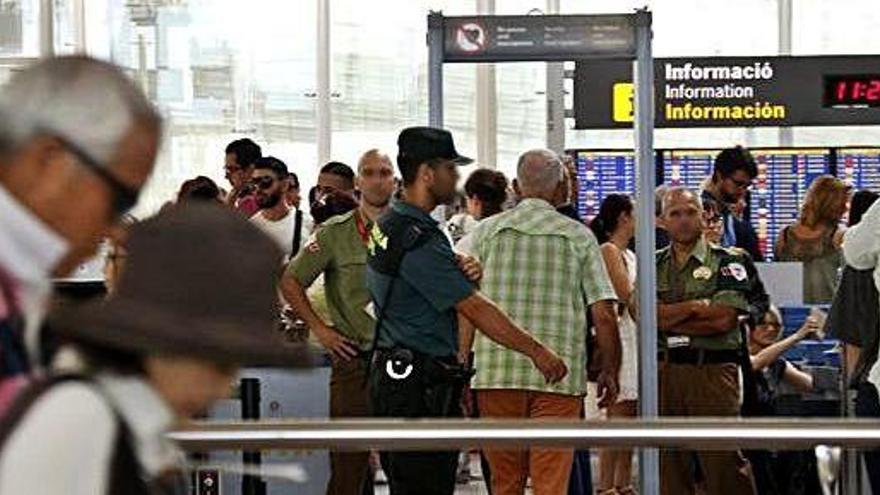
698	356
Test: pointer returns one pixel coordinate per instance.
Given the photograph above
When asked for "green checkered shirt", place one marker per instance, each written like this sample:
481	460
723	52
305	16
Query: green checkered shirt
544	270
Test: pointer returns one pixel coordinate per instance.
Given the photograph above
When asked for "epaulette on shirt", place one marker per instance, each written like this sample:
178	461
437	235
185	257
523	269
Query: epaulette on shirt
391	237
339	219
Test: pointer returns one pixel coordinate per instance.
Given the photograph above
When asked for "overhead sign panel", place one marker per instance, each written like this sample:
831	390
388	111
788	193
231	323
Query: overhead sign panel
538	37
734	92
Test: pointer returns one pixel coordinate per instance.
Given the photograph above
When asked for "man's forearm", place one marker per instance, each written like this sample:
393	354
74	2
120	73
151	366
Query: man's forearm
295	294
489	319
465	336
671	316
709	320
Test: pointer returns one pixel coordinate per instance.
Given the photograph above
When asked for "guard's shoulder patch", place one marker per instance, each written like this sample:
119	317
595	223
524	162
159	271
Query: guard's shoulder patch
732	273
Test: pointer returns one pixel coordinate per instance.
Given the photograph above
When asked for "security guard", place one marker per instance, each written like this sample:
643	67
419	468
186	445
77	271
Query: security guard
418	291
701	293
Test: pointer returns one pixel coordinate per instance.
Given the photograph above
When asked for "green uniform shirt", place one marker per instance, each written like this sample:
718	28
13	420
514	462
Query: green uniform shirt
711	272
337	251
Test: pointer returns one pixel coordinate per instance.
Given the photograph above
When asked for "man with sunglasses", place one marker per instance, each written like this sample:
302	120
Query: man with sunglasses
270	183
732	177
77	142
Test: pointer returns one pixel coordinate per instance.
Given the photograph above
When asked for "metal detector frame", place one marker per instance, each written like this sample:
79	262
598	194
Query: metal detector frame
646	182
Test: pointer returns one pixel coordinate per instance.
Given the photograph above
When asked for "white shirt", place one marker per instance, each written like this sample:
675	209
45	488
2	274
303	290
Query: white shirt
861	249
281	231
29	251
65	443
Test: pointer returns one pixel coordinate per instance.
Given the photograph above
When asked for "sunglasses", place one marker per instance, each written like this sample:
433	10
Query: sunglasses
125	197
263	183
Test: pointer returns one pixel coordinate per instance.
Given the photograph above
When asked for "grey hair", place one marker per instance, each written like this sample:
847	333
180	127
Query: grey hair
539	171
659	194
676	190
91	103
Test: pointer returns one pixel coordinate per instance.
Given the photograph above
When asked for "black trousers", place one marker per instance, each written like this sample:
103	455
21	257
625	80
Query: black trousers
868	406
418	395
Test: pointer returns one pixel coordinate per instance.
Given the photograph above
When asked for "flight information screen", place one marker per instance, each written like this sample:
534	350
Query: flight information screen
859	167
601	173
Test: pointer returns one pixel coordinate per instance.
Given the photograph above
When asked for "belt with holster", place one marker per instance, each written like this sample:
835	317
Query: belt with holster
688	355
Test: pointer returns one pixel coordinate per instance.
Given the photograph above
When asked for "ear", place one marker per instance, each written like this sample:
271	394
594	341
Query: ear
426	174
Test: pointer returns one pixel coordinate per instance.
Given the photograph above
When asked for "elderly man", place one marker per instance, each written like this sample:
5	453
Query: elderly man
701	293
77	142
545	270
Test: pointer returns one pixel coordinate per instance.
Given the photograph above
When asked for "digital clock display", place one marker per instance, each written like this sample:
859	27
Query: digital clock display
854	90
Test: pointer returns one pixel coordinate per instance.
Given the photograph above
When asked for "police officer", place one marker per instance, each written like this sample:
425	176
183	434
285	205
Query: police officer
417	292
701	293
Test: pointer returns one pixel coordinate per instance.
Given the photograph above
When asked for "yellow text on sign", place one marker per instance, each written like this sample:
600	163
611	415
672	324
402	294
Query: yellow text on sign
622	98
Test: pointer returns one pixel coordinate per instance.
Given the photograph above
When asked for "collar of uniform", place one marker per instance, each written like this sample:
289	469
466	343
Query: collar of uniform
415	212
700	252
29	249
148	417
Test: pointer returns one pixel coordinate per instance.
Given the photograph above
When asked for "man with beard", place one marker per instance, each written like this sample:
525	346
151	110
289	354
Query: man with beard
732	177
418	293
338	250
270	181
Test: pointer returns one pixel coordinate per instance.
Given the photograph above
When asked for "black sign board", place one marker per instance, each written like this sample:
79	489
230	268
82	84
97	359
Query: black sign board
537	37
732	92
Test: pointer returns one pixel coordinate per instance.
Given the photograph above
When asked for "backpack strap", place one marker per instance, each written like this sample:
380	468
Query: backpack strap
393	236
297	233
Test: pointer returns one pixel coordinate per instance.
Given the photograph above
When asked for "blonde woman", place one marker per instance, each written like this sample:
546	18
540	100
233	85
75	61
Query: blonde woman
816	238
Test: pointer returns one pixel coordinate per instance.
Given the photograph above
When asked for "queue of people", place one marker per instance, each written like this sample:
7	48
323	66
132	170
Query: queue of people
495	326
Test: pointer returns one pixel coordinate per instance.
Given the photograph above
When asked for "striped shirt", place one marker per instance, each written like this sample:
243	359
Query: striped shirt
544	270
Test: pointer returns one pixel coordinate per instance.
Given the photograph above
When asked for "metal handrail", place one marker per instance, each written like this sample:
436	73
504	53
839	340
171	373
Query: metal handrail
696	433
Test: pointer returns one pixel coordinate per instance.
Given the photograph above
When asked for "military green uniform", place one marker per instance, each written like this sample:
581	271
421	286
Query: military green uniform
699	375
339	251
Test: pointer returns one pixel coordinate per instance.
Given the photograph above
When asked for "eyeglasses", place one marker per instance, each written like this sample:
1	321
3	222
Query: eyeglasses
741	184
263	183
124	196
715	219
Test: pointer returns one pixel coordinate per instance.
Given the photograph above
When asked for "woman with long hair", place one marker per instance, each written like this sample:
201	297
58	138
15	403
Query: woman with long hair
614	227
816	238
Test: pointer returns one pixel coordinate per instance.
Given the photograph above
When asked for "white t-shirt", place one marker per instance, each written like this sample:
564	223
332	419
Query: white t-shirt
282	230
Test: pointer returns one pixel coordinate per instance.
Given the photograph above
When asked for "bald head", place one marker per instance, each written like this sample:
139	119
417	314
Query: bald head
86	101
539	173
373	156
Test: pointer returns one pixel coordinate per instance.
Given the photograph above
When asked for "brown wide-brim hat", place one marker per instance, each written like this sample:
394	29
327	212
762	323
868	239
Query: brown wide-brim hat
200	281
